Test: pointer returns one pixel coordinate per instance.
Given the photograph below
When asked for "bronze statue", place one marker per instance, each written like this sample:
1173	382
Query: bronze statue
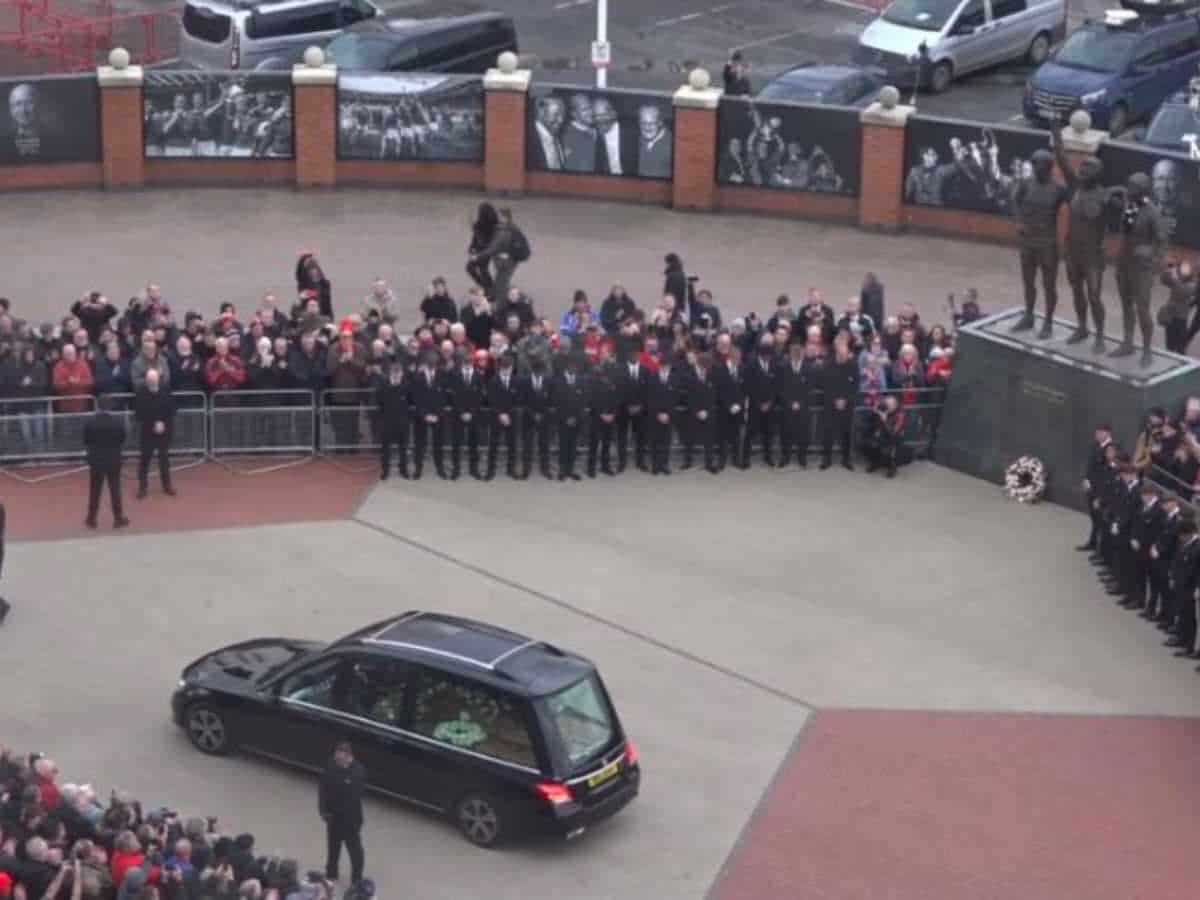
1143	243
1090	203
1035	204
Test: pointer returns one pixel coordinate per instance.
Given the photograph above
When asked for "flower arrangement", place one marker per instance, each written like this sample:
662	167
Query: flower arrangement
1025	480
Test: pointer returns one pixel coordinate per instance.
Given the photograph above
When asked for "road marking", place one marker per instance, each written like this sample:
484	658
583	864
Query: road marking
688	17
1019	117
770	40
568	4
717	9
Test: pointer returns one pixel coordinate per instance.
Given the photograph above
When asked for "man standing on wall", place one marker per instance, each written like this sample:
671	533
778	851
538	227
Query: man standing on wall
1035	203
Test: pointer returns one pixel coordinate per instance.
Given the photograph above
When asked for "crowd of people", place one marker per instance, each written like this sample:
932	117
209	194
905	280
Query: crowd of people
61	841
491	369
1144	540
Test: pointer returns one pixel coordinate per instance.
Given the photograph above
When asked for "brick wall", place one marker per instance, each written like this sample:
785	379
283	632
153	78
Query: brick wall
316	134
602	187
121	136
882	176
694	184
410	174
504	131
60	175
219	172
801	204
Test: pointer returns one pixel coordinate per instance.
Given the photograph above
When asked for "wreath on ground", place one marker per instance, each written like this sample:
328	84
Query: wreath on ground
1025	480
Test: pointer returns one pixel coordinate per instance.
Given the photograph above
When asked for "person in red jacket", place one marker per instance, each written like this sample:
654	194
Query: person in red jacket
72	377
224	372
46	772
941	367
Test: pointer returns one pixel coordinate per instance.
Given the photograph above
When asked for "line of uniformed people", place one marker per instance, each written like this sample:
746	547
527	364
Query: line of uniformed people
720	410
1144	543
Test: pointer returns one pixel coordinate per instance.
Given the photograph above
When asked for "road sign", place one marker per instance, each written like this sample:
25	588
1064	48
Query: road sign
601	54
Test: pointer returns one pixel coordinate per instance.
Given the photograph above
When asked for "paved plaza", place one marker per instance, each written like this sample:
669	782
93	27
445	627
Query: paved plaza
841	687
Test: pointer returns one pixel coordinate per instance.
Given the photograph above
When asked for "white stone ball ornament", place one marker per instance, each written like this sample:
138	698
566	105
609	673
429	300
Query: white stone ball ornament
507	62
314	57
699	79
118	58
889	96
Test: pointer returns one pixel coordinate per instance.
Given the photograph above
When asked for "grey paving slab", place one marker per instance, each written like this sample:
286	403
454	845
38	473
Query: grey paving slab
207	246
931	591
103	627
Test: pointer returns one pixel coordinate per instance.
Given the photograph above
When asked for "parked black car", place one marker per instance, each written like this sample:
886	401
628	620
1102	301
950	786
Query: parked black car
503	734
826	85
461	44
1176	125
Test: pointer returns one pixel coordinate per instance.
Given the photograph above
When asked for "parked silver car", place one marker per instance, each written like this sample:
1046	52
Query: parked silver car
245	34
939	40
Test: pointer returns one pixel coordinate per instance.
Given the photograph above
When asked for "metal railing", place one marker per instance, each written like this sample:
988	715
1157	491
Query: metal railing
301	423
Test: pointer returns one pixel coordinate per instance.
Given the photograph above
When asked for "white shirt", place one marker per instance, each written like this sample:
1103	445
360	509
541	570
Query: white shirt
550	147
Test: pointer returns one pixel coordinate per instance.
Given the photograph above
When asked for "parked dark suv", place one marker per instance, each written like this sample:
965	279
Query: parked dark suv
504	735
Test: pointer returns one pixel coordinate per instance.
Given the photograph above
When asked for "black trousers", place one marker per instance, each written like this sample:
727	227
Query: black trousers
1176	335
836	428
1097	519
468	434
154	445
1156	599
758	426
1045	261
568	445
795	435
729	438
660	444
600	441
481	274
534	429
425	433
1139	580
393	439
1185	616
702	434
100	475
335	836
508	435
881	452
627	422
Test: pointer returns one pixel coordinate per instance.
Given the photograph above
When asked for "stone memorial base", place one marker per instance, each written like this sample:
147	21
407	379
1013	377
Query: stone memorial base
1014	395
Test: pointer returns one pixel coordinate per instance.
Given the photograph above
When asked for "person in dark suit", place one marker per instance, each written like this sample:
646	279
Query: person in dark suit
1122	510
154	410
761	379
1183	589
603	402
701	402
632	381
504	403
617	142
4	604
731	408
569	398
796	386
840	385
662	401
104	436
1093	475
465	387
1147	523
339	801
394	400
429	401
1161	553
535	424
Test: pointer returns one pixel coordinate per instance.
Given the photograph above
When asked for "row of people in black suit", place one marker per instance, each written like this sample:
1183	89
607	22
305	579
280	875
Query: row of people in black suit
1144	544
719	410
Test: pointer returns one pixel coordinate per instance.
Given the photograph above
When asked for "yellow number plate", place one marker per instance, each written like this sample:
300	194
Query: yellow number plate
606	774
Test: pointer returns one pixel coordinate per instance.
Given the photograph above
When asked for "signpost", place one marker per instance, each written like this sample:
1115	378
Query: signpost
601	48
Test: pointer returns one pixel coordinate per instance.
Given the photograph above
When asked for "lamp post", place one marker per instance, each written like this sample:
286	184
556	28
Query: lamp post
601	51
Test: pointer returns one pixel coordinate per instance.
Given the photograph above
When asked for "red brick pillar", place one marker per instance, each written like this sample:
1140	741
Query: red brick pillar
314	99
694	183
506	90
121	143
883	128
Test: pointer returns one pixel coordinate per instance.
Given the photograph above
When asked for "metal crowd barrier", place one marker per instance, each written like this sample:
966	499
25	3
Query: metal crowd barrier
32	431
257	423
348	420
189	437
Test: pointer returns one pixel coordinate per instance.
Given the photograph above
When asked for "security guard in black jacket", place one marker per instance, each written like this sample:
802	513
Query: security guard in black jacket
662	400
1147	523
1183	589
154	410
465	386
503	393
840	385
632	384
394	399
760	377
796	386
604	402
535	424
569	400
1108	494
104	436
700	399
1124	507
1158	601
731	408
1093	477
340	804
428	400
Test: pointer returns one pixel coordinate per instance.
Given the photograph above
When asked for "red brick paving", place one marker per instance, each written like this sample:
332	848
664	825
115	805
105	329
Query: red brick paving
908	805
210	496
